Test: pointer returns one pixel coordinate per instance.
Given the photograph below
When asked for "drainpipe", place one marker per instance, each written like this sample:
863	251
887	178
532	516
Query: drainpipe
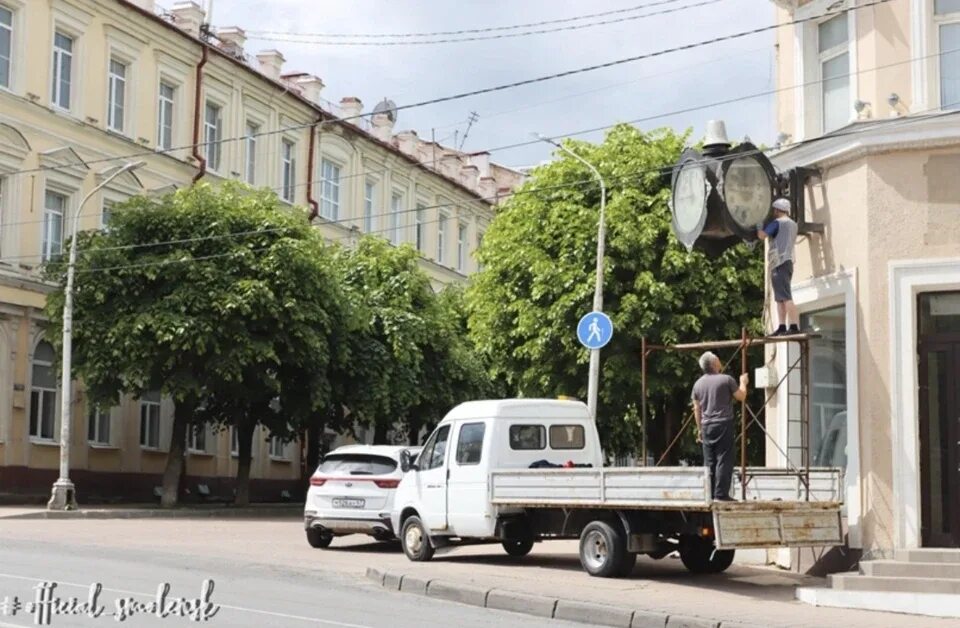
197	153
314	206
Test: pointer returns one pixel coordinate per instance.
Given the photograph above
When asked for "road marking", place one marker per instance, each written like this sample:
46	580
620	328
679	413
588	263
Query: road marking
328	622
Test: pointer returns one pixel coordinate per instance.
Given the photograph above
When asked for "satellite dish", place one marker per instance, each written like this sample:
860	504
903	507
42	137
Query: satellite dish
388	108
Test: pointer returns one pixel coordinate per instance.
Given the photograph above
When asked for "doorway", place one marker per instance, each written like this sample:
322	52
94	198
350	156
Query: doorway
939	397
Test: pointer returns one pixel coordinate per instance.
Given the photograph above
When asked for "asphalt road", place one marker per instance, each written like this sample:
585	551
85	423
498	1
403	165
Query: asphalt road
246	593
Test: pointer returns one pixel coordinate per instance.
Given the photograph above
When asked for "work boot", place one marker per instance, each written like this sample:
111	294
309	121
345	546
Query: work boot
779	331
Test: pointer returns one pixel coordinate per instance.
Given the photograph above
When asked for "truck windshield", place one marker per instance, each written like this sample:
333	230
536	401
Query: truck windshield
357	464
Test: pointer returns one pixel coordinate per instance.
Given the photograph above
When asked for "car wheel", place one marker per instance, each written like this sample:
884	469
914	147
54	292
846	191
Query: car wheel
319	538
699	556
603	550
415	540
518	547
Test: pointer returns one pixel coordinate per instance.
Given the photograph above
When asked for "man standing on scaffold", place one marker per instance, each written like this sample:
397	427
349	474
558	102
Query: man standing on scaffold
783	232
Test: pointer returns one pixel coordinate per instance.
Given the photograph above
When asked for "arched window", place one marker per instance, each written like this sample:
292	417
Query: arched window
43	393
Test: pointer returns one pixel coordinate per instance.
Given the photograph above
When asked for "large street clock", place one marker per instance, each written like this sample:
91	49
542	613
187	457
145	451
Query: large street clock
747	180
691	189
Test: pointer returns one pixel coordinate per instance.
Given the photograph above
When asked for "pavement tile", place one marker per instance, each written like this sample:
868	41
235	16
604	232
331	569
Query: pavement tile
648	619
680	621
597	614
462	593
523	603
410	584
376	575
391	581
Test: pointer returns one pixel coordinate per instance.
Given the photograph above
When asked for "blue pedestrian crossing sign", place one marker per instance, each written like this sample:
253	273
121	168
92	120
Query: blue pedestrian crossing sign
594	330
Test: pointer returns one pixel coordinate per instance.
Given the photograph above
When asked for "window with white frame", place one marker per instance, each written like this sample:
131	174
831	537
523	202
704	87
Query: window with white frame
54	210
441	236
150	420
946	15
63	46
250	153
165	107
116	95
833	50
288	156
421	227
461	246
197	438
278	448
43	392
6	46
106	211
369	203
329	190
98	426
396	206
234	441
212	134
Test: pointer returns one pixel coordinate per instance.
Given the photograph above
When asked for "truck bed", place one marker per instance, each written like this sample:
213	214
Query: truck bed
776	512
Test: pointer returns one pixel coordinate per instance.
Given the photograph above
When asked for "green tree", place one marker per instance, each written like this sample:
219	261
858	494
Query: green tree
538	276
220	298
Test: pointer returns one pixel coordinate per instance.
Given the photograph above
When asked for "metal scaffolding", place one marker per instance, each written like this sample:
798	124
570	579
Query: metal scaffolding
747	415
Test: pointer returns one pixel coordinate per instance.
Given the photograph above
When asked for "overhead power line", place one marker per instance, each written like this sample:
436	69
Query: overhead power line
309	39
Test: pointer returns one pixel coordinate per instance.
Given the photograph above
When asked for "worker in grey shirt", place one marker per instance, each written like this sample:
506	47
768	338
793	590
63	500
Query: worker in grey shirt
713	396
783	232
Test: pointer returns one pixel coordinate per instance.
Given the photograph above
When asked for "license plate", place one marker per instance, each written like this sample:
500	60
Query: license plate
348	502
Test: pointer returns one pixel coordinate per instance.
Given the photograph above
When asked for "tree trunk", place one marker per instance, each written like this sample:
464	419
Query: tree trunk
380	434
182	413
245	429
413	433
314	436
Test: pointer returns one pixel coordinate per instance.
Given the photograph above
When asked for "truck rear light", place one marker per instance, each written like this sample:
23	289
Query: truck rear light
387	483
315	481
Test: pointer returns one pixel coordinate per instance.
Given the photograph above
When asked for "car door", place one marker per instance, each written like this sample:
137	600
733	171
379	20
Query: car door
468	504
432	479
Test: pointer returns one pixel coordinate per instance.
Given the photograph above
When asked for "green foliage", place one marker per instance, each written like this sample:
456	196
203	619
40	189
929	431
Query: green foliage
537	280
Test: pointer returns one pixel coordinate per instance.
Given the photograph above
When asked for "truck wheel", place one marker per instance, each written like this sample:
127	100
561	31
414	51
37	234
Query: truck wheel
603	550
519	547
698	556
318	538
626	567
415	540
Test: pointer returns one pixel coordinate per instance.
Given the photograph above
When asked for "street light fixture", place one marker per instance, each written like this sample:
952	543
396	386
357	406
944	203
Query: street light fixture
594	373
63	495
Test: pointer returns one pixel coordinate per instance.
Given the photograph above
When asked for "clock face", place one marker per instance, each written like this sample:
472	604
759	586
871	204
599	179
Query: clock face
689	197
747	191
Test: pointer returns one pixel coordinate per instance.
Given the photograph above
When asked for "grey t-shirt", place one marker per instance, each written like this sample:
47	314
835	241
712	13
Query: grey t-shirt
783	232
714	393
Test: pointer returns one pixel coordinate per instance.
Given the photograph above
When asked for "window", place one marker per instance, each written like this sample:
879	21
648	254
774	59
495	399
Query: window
834	59
278	448
150	420
434	452
421	218
396	205
441	236
43	392
212	134
528	437
197	438
116	95
6	46
250	153
947	21
356	464
369	217
329	190
566	437
479	245
55	206
98	426
828	388
62	70
234	441
288	153
165	104
470	443
461	246
106	211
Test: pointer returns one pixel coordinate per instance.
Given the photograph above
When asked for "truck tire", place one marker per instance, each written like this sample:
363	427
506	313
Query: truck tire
698	556
627	565
319	538
603	550
416	540
518	548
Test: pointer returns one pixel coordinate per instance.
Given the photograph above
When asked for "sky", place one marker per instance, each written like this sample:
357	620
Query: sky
641	89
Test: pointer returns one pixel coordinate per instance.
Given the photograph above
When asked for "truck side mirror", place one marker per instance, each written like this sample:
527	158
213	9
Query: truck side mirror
406	461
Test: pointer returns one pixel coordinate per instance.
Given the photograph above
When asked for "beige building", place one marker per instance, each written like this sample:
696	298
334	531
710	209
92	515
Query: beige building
877	90
87	85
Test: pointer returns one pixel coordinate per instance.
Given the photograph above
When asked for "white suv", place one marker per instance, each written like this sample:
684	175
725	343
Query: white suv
352	492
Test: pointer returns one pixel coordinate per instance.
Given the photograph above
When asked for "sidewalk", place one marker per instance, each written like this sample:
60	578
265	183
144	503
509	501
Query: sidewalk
154	511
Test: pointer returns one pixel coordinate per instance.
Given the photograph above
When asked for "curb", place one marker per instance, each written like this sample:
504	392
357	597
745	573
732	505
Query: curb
225	512
541	606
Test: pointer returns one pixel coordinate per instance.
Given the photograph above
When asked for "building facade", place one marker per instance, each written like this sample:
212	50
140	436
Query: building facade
867	100
88	85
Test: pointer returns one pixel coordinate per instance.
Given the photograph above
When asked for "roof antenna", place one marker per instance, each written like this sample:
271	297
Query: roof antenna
474	116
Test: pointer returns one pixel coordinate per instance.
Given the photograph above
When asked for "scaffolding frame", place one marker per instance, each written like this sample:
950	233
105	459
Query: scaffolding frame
741	346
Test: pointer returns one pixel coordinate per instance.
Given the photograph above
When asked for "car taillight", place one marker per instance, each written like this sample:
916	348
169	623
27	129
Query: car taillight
387	483
315	481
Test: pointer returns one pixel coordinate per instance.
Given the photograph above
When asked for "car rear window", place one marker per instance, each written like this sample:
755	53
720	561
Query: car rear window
528	437
566	437
357	464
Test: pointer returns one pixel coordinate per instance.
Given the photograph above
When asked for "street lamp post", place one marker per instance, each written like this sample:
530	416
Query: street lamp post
593	380
63	496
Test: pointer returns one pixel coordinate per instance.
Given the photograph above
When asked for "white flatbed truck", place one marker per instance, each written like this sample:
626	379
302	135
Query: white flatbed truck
472	483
